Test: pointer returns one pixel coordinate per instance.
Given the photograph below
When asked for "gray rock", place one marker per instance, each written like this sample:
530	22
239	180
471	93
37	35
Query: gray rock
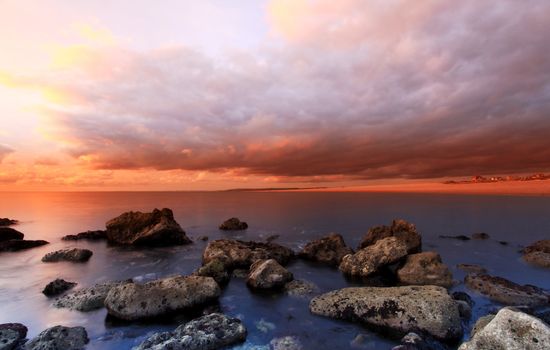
72	255
425	269
59	338
300	288
86	299
471	268
268	274
286	343
8	339
327	250
21	329
396	310
7	233
505	291
400	229
57	287
233	224
240	254
215	269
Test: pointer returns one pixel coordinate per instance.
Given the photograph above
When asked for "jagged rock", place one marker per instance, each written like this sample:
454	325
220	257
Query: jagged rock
286	343
413	341
510	330
480	235
300	288
268	274
233	224
57	287
215	269
327	250
8	222
59	338
425	268
7	233
538	253
369	260
157	228
458	237
400	229
395	310
86	299
14	245
73	255
208	332
505	291
133	301
239	254
471	268
87	235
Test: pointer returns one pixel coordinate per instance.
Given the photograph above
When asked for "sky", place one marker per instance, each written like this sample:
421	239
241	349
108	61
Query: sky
217	94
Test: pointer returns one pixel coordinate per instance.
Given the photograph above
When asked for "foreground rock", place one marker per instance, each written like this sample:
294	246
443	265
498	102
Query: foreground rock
538	253
233	224
395	310
400	229
72	255
268	274
505	291
86	299
8	222
369	260
59	338
235	254
7	233
157	228
12	335
215	269
208	332
413	341
511	330
57	287
327	250
87	235
425	269
133	301
15	245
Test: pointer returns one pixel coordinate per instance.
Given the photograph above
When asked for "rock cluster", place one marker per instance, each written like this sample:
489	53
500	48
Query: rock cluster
72	255
400	229
235	253
12	240
327	250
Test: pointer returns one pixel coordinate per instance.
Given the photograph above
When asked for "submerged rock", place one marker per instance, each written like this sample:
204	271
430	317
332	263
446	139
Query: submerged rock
458	237
510	330
133	301
395	310
57	287
235	254
425	268
14	245
400	229
286	343
208	332
73	255
233	224
327	250
157	228
480	235
87	235
12	335
7	233
300	288
505	291
8	222
59	338
86	299
215	269
268	274
471	268
538	253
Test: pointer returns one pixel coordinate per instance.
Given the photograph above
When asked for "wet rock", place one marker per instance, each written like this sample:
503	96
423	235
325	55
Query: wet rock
14	245
369	260
203	238
413	341
510	330
240	254
400	229
480	323
233	224
458	237
268	274
157	228
8	222
133	301
286	343
394	310
463	297
86	299
208	332
300	288
538	246
8	233
73	255
272	238
480	235
57	287
538	253
59	338
87	235
240	273
506	292
464	309
215	269
12	335
471	268
21	329
327	250
425	268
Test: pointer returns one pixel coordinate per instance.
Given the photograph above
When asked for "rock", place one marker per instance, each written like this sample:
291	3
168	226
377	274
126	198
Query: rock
272	238
215	269
87	235
413	341
8	222
300	288
369	260
8	339
21	329
395	310
506	292
471	268
133	301
425	268
239	254
14	245
327	250
59	338
400	229
480	235
480	323
240	273
57	287
543	316
464	309
510	330
86	299
503	243
538	246
459	237
7	233
73	255
286	343
463	297
268	274
203	238
541	259
233	224
157	228
208	332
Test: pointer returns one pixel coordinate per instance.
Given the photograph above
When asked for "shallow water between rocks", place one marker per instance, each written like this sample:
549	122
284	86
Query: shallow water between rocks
296	217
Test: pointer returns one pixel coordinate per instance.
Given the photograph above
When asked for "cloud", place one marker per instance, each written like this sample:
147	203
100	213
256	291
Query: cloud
4	151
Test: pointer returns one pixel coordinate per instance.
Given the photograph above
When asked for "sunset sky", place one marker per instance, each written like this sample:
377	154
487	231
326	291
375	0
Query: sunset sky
189	95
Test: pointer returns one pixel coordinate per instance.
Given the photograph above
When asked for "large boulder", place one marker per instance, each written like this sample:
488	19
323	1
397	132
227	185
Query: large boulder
208	332
327	250
233	224
87	235
538	253
15	245
505	291
57	286
268	274
395	310
8	222
12	335
157	228
134	301
235	254
511	330
72	255
400	229
7	233
371	259
425	268
86	299
59	338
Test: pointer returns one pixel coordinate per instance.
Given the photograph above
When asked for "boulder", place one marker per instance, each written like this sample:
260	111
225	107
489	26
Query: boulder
286	343
510	330
327	250
400	229
538	246
538	253
87	235
240	254
394	310
12	335
233	224
8	222
506	292
268	274
14	245
157	228
86	299
21	329
59	338
471	268
300	288
132	301
210	332
57	286
7	233
215	269
72	255
425	268
369	260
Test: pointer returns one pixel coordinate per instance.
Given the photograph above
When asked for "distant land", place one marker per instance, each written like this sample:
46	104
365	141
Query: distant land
482	179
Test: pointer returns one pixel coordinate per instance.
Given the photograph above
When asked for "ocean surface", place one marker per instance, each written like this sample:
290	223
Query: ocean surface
296	217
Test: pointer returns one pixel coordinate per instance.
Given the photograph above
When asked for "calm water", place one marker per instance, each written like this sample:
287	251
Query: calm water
296	217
